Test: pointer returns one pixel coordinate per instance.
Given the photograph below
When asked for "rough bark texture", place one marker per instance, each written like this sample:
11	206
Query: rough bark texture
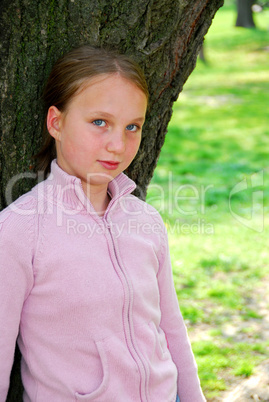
164	36
244	14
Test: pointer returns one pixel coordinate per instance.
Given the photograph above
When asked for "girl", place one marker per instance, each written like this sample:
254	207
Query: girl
86	282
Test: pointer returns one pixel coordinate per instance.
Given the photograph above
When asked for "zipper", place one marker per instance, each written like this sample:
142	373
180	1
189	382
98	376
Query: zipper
127	320
128	330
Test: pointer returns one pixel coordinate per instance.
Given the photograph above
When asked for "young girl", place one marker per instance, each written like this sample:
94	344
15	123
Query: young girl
86	282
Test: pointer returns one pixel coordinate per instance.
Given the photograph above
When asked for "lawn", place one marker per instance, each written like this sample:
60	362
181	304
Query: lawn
211	187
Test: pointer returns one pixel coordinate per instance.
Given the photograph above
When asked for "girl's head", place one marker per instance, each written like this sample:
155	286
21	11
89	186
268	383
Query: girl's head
72	73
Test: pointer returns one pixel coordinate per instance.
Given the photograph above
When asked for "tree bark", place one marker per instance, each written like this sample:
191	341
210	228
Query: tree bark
164	36
244	14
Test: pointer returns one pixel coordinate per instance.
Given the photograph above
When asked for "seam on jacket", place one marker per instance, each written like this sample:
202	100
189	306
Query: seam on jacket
28	366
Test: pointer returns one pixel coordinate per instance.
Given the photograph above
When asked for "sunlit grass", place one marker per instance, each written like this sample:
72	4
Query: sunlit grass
211	187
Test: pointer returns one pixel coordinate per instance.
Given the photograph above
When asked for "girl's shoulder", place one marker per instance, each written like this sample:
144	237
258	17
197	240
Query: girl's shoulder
19	213
18	234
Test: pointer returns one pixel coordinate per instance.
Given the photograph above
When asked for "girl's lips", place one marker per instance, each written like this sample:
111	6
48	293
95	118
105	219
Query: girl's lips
110	165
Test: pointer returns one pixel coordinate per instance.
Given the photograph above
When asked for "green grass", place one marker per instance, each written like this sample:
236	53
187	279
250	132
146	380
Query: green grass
211	187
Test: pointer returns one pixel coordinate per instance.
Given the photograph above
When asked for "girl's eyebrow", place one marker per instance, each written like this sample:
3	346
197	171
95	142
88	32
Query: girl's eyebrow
108	115
140	119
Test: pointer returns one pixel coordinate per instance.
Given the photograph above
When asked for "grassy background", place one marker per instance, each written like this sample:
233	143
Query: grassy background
217	143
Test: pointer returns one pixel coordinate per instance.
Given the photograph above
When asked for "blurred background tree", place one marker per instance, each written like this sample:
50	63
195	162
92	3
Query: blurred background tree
245	9
244	14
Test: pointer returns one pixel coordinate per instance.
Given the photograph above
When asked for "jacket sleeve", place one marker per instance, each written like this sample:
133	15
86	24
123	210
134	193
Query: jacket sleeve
172	323
16	281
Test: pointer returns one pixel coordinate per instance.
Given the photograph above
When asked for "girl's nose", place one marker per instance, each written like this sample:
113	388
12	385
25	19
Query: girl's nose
116	142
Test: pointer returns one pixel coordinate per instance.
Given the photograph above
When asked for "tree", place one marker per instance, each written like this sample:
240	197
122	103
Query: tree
244	14
164	36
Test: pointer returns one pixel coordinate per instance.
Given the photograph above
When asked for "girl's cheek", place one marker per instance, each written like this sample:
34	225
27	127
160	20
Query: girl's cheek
137	142
70	148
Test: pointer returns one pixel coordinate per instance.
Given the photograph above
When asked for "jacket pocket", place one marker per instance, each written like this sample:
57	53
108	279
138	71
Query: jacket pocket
121	378
104	384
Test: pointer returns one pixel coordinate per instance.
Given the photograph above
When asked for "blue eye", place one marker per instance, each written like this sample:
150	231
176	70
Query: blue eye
132	127
99	123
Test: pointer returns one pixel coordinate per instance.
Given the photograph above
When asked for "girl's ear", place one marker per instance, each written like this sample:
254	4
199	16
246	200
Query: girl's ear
54	120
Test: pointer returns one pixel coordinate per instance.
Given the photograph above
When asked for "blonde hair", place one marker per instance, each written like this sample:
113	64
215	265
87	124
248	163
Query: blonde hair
70	73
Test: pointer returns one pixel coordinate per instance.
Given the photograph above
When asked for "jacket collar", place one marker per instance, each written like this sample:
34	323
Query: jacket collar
67	189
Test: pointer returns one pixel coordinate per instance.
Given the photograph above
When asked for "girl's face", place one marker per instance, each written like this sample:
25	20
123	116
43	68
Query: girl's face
99	134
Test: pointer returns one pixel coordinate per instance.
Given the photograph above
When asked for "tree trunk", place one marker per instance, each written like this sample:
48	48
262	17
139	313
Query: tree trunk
244	14
164	36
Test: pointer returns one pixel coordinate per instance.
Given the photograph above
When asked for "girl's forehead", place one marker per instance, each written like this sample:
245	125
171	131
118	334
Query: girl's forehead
105	82
107	79
108	90
86	83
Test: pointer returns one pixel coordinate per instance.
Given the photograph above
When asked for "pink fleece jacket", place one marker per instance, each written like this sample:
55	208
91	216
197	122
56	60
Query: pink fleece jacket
91	299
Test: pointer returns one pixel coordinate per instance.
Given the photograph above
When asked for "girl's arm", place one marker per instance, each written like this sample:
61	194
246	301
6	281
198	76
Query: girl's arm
172	323
16	281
